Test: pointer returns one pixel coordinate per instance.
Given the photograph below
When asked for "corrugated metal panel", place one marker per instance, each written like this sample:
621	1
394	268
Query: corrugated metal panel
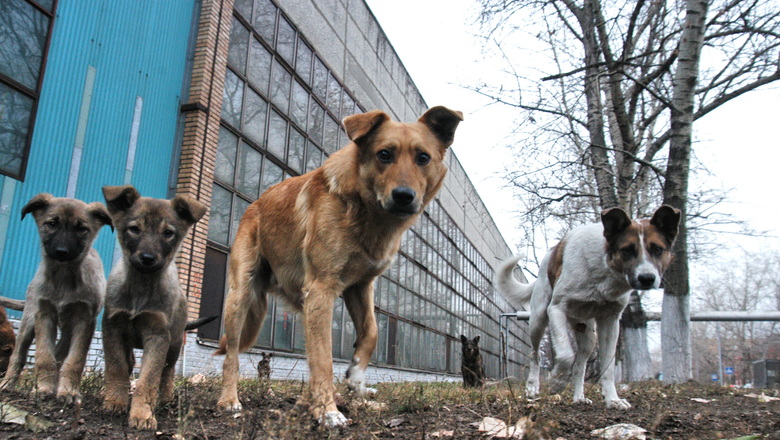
138	49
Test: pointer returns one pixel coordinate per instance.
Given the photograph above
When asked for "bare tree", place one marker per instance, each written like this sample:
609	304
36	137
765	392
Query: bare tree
745	283
607	109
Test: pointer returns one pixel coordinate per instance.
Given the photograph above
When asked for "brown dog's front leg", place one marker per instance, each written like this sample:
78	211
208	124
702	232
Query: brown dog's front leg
45	336
318	314
360	304
156	342
81	325
117	355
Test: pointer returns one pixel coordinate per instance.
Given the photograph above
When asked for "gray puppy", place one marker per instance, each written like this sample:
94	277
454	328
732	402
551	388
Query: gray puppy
66	293
145	306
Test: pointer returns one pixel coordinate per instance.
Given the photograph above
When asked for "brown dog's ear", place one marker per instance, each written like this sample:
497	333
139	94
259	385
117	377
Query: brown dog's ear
120	198
463	339
360	125
615	221
188	209
476	339
667	220
41	201
442	122
99	212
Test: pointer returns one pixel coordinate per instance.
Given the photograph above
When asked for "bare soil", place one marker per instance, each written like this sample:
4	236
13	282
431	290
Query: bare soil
407	411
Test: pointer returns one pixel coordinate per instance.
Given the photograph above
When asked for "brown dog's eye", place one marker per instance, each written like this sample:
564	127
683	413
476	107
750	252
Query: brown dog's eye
83	230
50	224
134	229
656	250
628	252
423	158
169	233
385	156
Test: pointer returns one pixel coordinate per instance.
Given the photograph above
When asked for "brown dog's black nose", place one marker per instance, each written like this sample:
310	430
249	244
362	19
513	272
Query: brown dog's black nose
403	196
148	259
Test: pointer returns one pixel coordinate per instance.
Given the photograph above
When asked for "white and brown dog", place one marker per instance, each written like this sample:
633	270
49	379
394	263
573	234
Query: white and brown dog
584	284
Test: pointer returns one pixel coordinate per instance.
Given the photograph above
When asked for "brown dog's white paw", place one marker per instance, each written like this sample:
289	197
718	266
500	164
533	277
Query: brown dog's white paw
334	419
229	405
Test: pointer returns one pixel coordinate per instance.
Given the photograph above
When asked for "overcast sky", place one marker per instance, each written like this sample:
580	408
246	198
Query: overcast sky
435	40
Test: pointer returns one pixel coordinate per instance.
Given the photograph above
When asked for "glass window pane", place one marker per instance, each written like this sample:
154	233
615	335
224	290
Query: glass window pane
255	111
320	81
277	135
295	151
272	175
381	345
283	326
316	121
338	311
15	112
23	32
285	41
349	338
313	157
219	220
259	72
265	19
280	87
331	139
303	61
334	95
240	205
239	40
264	339
225	166
248	176
244	7
300	105
347	106
234	96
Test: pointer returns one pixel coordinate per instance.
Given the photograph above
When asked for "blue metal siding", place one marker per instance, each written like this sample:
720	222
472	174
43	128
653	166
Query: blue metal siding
138	48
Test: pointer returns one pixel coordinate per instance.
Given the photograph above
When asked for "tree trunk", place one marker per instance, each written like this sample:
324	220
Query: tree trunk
675	319
636	355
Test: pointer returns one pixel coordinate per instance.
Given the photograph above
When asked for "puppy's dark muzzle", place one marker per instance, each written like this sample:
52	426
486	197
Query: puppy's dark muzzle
403	202
146	263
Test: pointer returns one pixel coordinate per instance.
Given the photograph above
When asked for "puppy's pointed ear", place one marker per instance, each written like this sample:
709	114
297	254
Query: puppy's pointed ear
188	209
37	203
476	339
120	198
463	339
362	125
667	220
615	221
442	122
99	213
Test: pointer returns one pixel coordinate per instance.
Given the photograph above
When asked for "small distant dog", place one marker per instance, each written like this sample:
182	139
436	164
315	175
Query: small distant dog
145	307
331	233
584	284
66	293
471	366
264	367
7	341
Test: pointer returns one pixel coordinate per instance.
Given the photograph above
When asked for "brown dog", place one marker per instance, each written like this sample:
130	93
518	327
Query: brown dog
66	294
145	307
7	341
330	233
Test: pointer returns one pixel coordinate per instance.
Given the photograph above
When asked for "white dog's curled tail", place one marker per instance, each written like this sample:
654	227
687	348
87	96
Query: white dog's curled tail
517	293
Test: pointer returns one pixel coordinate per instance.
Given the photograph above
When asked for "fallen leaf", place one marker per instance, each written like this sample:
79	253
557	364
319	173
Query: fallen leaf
621	431
763	398
197	378
442	434
395	422
497	428
697	399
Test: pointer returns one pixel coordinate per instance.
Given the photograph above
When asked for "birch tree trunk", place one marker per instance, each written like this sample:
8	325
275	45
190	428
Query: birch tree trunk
675	318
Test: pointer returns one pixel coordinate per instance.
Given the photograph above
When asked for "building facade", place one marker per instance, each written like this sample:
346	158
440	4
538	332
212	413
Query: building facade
218	100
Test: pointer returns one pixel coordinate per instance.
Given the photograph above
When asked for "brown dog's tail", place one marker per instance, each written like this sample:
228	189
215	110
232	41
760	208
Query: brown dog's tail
250	329
13	304
200	322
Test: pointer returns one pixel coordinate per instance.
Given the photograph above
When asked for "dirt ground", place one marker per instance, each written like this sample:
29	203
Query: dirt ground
407	411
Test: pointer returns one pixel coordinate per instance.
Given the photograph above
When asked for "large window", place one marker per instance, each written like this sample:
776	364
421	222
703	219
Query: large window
24	34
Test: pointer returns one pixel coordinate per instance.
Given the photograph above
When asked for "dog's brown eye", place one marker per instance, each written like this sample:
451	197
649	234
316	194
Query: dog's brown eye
628	252
384	156
82	230
423	158
169	233
50	224
134	230
656	250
